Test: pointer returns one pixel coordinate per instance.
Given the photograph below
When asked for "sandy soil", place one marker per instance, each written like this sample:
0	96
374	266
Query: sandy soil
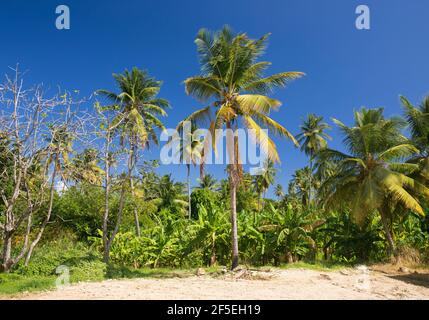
273	284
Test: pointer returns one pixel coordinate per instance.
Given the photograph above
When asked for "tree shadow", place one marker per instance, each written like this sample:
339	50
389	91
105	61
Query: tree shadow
418	279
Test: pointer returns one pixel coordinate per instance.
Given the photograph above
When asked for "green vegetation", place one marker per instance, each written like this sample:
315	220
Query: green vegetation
117	217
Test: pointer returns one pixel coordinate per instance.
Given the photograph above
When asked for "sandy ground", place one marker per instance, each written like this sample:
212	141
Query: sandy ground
274	285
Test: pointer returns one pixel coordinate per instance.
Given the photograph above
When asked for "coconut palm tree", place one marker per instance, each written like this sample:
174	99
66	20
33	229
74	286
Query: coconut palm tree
232	80
371	176
139	112
190	152
312	139
60	146
85	167
170	195
208	182
264	179
59	149
300	185
418	122
279	191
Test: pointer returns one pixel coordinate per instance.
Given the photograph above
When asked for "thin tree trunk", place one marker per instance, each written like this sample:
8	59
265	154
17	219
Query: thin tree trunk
131	166
310	181
213	251
121	206
232	146
234	235
106	252
188	166
47	218
7	249
384	219
136	213
9	230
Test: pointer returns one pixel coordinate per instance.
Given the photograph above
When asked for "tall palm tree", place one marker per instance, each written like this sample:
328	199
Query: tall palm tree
371	175
232	80
139	111
312	139
418	122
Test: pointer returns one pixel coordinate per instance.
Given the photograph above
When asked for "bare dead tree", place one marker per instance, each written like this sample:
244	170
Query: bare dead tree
35	141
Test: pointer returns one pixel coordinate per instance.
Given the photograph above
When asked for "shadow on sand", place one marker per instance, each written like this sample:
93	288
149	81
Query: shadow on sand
418	279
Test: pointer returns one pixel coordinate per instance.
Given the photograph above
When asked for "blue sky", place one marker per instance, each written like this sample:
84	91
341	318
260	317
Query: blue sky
346	68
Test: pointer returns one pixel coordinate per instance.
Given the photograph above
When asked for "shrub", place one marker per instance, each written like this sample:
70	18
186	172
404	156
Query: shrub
83	263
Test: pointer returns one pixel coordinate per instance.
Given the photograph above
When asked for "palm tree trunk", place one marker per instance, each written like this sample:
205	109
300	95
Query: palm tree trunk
188	166
310	181
384	219
136	213
131	165
106	254
232	147
234	233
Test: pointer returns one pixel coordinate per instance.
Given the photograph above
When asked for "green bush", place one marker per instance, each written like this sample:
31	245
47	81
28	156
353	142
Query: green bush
202	198
83	262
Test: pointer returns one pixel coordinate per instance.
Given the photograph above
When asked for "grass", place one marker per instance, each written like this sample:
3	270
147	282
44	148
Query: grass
317	266
11	284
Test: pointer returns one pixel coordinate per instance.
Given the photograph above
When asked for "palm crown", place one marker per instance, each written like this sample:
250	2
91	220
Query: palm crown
312	138
139	105
233	79
372	173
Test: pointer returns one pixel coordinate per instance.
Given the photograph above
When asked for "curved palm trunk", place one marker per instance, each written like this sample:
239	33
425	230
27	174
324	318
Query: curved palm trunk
188	166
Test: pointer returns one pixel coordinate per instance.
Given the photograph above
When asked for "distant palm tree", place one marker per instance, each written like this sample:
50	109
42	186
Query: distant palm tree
208	182
57	154
300	185
264	179
85	167
170	195
279	191
312	139
59	149
139	111
190	152
372	177
232	79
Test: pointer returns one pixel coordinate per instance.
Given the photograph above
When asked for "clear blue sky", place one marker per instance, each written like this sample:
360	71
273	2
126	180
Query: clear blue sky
346	68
